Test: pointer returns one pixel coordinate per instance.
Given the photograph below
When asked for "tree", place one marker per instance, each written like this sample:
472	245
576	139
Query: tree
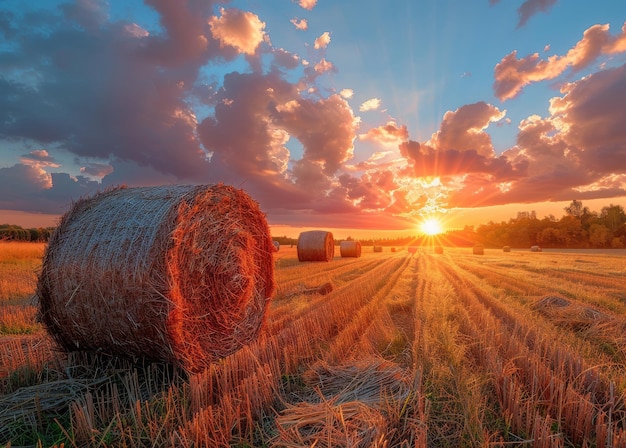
613	217
599	235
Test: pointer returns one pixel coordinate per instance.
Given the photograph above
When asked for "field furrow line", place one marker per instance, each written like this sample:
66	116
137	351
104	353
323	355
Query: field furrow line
536	374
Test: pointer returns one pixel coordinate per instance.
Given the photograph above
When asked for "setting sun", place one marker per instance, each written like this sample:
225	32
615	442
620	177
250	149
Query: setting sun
431	226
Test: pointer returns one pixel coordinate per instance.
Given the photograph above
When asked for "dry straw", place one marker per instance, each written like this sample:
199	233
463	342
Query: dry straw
316	245
350	249
182	274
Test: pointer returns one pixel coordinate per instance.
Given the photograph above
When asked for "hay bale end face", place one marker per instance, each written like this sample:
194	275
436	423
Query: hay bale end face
182	274
350	249
316	245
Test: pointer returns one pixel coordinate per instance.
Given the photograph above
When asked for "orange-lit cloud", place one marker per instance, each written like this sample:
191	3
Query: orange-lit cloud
371	104
513	74
322	41
239	29
307	4
300	24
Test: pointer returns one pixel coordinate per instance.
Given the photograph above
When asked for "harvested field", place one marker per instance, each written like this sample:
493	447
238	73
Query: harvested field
510	349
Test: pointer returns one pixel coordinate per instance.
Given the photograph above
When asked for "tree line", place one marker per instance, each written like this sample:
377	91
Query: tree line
12	232
578	228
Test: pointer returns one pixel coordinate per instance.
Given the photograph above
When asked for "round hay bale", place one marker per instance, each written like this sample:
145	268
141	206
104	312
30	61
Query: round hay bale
182	274
412	249
506	249
438	249
378	248
393	249
478	249
316	245
350	249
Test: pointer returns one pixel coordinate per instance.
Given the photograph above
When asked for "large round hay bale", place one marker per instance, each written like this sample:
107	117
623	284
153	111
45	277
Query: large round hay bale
378	248
506	249
182	274
350	249
315	245
478	249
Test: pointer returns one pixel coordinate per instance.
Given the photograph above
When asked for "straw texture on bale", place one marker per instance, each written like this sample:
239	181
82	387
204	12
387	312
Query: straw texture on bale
350	249
316	245
478	249
182	274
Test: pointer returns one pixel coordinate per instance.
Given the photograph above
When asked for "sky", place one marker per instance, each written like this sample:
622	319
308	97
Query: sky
356	115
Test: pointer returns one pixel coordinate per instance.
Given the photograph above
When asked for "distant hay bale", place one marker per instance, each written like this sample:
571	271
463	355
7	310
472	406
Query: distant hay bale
378	248
438	250
535	249
412	249
276	245
182	274
316	245
478	249
506	249
393	249
350	249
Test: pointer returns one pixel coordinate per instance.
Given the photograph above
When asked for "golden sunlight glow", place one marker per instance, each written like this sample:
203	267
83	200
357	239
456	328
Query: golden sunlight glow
431	226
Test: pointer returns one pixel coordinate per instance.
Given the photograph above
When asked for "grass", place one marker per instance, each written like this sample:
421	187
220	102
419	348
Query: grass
437	350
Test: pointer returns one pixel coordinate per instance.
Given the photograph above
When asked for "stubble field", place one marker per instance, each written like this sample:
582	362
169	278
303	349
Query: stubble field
444	350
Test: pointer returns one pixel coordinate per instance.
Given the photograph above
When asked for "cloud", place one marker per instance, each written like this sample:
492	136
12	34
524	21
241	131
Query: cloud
300	24
39	158
322	41
31	189
371	104
242	30
98	170
531	7
307	4
464	129
346	93
513	74
576	152
388	136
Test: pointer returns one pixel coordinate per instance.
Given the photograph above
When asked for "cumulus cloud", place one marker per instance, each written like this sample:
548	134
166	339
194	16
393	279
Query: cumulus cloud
464	129
307	4
242	30
513	74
